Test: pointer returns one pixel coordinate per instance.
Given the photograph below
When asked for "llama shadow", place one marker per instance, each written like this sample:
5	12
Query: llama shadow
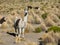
13	34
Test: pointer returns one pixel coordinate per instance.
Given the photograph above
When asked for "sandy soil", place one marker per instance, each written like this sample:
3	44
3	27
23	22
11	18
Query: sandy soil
9	38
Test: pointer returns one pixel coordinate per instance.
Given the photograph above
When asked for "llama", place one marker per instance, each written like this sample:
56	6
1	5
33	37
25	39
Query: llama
29	7
36	7
20	25
2	21
24	22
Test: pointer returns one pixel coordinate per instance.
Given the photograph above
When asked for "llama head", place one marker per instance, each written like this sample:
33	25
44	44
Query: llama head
4	19
29	7
25	11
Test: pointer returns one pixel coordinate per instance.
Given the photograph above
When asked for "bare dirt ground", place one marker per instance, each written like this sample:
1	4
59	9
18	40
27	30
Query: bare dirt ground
9	39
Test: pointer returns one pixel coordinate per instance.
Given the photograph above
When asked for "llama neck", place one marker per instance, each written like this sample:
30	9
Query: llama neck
25	15
25	18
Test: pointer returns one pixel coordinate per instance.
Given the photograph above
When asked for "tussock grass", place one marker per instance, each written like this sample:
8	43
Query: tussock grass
43	27
26	30
12	30
30	43
51	44
4	25
49	22
1	41
30	27
50	38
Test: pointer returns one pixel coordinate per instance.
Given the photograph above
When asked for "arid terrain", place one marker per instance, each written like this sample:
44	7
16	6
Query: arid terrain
46	16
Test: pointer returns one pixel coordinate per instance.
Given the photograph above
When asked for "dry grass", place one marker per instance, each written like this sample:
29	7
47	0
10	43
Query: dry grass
43	27
30	28
49	22
30	43
4	25
51	44
1	41
17	9
54	18
50	38
12	30
26	30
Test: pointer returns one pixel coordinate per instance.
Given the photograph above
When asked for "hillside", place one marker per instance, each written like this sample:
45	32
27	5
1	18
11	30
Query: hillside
46	16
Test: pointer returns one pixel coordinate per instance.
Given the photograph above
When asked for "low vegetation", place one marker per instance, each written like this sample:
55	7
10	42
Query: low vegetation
50	38
38	30
44	16
30	43
13	8
54	28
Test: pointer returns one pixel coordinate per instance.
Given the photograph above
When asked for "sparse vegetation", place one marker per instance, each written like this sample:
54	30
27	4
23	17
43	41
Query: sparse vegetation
38	30
50	38
44	16
31	0
54	28
1	42
30	43
13	8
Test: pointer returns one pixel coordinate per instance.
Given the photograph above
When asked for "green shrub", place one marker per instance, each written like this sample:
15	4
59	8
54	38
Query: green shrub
37	30
11	9
54	28
31	0
44	16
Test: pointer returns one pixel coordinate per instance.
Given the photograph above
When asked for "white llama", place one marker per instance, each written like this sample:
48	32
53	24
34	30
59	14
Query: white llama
20	25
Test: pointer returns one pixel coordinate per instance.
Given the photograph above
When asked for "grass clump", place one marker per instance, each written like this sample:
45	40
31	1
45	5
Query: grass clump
1	42
44	16
11	9
38	30
54	28
31	0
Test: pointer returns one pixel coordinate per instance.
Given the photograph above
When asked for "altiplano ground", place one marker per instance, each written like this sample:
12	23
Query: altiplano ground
9	39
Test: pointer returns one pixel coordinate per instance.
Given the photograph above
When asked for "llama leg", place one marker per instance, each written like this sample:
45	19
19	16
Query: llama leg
16	32
23	32
19	35
19	32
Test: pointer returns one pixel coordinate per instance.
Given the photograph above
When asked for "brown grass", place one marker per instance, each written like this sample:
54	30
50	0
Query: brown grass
50	38
4	25
30	43
1	41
